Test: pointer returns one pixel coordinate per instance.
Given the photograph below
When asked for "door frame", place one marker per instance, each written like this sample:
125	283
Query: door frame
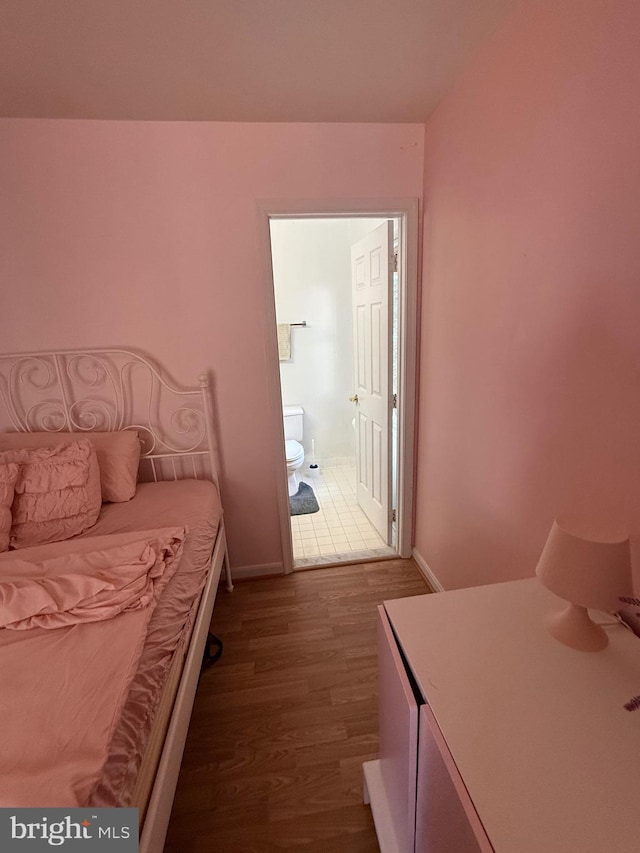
406	210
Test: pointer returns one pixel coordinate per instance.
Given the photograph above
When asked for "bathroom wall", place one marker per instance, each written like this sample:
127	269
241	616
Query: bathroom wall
312	277
530	356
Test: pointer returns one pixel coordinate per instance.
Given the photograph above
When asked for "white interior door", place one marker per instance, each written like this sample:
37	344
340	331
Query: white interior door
371	279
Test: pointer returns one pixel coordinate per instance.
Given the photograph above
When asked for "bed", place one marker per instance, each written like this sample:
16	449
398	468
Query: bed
118	592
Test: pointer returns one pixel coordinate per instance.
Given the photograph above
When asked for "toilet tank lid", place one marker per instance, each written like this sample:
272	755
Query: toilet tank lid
292	410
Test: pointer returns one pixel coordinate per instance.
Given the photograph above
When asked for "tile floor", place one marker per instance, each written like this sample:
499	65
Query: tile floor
340	531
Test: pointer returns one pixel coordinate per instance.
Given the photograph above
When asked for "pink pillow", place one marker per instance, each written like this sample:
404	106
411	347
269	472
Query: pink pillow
8	476
57	492
118	456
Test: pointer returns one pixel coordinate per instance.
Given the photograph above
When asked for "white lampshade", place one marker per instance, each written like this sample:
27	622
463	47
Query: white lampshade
586	573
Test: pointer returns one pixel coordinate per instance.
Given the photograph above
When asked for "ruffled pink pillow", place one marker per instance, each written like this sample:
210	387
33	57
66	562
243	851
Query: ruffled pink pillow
118	455
57	492
8	476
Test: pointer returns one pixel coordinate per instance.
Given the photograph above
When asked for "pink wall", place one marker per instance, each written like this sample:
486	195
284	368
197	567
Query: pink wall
146	234
530	363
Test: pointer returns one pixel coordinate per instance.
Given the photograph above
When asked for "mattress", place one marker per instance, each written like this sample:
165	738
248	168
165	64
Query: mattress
194	505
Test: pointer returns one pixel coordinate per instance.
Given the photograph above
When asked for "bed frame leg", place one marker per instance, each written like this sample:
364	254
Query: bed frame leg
227	565
227	569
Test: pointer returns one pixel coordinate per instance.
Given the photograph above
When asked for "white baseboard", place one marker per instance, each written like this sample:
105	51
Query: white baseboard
336	462
263	570
431	579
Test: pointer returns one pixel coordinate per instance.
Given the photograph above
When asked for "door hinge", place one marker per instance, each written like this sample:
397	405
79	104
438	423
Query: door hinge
394	401
395	262
393	515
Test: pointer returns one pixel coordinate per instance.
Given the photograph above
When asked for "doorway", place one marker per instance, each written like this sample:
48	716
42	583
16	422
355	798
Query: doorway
338	510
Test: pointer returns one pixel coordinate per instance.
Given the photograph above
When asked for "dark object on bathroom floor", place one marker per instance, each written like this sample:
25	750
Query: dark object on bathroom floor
304	501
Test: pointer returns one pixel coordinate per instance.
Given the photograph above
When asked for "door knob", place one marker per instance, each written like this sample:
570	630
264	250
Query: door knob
354	399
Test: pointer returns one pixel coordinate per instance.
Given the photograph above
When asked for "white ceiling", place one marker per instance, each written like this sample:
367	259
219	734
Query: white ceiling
237	60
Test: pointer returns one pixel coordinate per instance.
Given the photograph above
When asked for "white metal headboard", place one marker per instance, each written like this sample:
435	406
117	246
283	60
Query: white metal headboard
109	390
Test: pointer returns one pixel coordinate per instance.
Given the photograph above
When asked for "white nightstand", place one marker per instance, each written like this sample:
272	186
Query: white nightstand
494	736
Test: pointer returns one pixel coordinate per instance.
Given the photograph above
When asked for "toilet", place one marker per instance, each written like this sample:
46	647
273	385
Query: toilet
292	417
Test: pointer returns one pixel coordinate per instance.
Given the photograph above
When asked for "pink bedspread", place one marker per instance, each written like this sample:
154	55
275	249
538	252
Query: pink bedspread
72	629
194	505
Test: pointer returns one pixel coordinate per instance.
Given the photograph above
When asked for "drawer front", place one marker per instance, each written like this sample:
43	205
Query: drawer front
446	820
398	728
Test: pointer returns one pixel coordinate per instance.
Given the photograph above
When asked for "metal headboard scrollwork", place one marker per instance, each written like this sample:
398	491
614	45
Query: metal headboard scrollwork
108	390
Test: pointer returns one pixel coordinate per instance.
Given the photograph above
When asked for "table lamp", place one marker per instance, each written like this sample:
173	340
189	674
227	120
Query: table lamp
585	573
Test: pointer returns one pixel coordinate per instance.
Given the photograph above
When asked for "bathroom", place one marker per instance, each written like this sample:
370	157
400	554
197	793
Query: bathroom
312	272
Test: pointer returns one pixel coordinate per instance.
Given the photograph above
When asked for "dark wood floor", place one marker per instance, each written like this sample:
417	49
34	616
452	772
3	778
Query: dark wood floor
282	723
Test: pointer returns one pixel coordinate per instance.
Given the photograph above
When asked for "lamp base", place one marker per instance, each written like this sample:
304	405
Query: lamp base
574	628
